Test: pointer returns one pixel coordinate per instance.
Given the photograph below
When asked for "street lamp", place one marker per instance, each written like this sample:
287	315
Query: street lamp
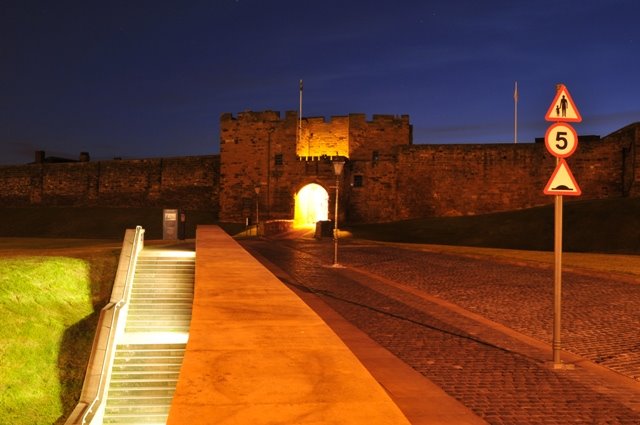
257	189
338	166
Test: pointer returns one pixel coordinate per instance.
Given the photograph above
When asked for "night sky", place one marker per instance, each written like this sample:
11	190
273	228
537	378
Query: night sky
142	79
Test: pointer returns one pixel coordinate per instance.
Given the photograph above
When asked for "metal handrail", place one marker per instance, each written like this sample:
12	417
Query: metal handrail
93	392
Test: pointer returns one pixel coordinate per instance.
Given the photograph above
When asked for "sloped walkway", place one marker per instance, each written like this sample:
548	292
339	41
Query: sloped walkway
258	355
479	328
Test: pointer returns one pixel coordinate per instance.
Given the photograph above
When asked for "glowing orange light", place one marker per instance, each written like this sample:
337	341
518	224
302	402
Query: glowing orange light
312	205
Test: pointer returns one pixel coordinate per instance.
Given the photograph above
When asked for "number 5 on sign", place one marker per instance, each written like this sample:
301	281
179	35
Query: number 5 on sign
561	140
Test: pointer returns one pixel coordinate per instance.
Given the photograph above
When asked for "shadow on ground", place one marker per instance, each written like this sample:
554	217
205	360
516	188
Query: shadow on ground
77	340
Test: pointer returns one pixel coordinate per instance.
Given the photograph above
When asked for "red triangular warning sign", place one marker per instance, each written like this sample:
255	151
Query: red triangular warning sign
563	108
562	181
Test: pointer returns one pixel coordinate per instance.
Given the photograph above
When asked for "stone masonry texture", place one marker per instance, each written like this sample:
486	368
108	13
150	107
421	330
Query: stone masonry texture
186	182
386	178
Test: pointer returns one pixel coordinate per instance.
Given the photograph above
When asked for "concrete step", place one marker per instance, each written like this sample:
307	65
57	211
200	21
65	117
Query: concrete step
162	293
187	278
163	271
144	409
144	375
166	268
169	281
164	283
148	365
163	278
174	357
136	418
151	320
145	392
130	351
126	400
180	296
161	260
155	286
142	382
148	261
159	328
156	272
166	300
160	314
169	271
170	315
141	321
158	307
146	255
185	289
180	275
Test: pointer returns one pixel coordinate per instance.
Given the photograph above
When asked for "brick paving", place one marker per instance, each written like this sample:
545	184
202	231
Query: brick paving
501	378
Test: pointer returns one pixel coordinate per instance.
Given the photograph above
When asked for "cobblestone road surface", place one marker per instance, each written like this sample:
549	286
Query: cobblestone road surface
501	378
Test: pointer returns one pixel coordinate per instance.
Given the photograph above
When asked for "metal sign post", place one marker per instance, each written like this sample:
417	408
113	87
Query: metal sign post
557	281
561	141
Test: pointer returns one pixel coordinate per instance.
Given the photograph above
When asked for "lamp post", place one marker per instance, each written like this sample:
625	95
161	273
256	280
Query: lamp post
257	189
338	166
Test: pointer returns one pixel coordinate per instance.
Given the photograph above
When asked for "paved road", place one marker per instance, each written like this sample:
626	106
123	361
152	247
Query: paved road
406	301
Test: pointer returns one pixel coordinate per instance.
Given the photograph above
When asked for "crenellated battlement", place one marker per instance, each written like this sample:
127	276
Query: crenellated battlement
275	116
266	158
317	136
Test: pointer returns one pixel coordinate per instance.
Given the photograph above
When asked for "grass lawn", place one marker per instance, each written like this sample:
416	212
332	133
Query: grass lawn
50	297
603	226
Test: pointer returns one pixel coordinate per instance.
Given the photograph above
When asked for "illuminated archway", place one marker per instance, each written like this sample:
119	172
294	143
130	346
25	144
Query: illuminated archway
312	205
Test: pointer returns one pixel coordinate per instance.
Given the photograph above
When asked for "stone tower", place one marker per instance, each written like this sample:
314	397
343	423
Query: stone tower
266	161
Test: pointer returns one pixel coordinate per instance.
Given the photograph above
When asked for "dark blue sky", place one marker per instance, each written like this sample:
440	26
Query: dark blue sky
140	79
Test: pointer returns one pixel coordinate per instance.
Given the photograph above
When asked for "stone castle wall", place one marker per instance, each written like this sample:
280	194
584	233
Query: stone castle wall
259	149
386	178
187	182
437	180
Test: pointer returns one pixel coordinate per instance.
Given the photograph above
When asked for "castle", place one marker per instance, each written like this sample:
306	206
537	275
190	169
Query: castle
272	167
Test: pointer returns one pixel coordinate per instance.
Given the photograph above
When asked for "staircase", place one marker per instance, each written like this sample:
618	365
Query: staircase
149	356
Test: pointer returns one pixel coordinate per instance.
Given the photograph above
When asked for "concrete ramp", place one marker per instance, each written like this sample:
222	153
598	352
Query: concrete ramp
257	354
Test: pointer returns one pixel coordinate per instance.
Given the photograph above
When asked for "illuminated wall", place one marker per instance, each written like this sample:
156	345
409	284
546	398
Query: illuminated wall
260	148
319	137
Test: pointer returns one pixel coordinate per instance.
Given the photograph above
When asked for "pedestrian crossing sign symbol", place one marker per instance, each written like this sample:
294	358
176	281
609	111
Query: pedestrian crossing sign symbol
563	109
562	181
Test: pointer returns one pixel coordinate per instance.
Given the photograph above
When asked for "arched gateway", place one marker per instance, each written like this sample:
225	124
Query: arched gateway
311	205
279	155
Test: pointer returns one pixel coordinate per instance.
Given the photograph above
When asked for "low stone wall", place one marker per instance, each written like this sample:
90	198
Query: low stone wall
185	183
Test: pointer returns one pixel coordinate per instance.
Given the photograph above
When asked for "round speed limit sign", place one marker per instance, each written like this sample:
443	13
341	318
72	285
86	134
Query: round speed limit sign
561	140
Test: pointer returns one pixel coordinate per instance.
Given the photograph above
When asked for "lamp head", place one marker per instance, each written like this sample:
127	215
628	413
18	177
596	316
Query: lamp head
338	166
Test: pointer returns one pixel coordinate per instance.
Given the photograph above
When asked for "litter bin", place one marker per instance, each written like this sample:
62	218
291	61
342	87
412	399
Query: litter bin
324	229
170	225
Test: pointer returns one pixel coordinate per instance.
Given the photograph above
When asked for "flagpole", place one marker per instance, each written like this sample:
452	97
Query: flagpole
515	118
299	132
